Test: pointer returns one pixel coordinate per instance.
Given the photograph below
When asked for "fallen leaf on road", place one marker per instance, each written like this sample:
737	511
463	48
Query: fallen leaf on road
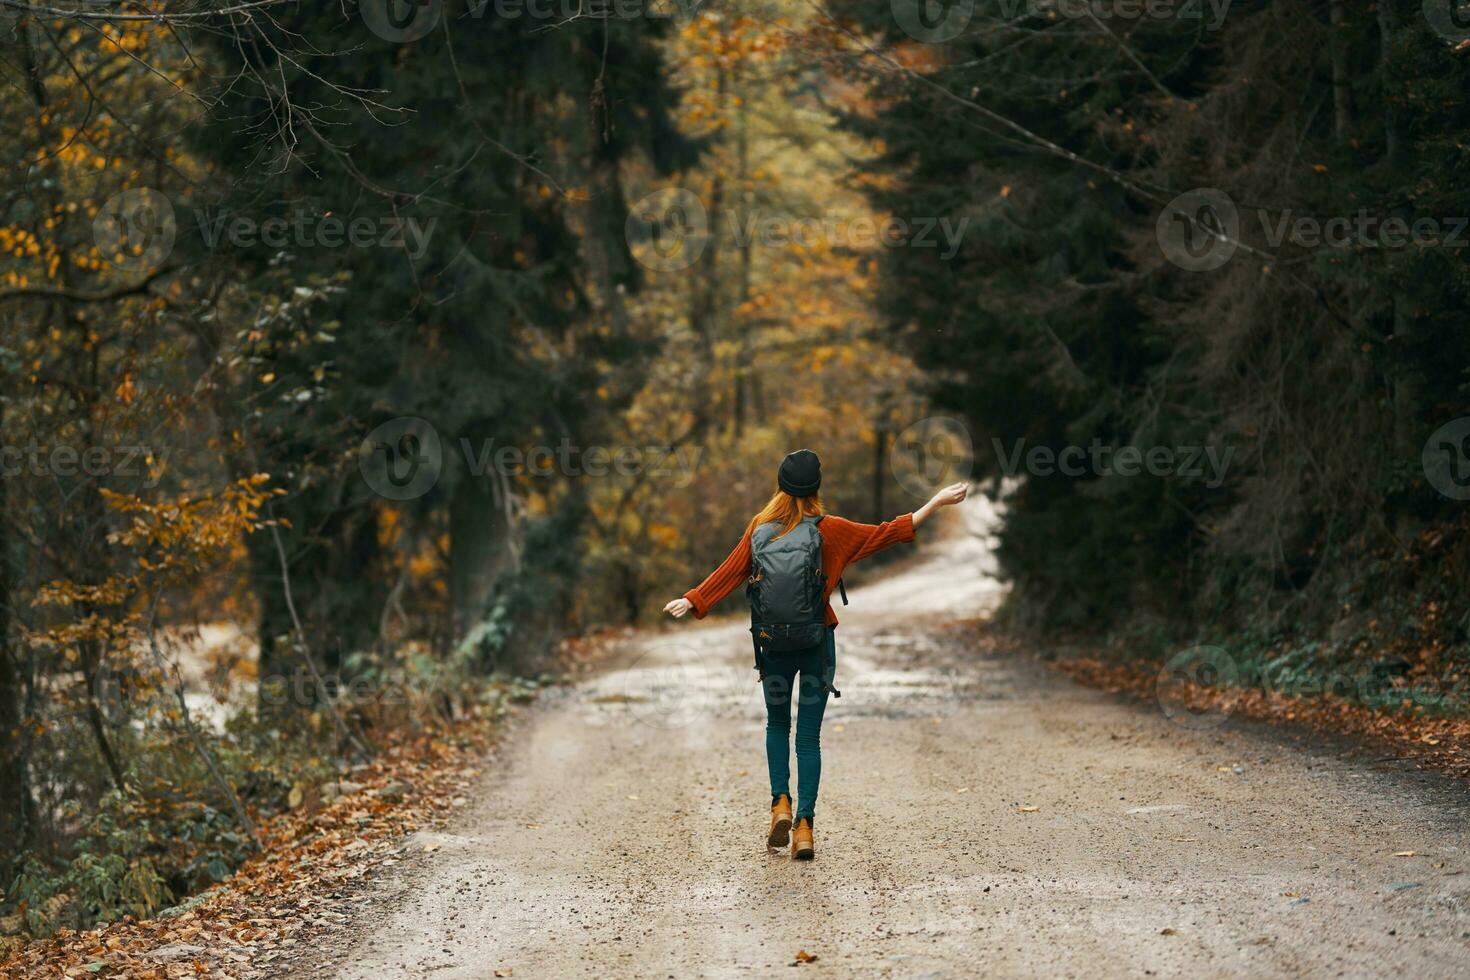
430	848
1405	854
963	789
1028	809
504	971
802	956
1167	931
632	796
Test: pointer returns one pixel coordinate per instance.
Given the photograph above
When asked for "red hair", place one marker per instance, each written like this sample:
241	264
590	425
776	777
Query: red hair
787	510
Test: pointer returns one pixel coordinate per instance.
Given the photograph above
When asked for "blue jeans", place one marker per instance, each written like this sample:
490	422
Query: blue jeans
815	669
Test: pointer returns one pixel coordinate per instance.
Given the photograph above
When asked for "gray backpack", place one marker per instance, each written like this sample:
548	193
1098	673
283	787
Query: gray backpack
785	588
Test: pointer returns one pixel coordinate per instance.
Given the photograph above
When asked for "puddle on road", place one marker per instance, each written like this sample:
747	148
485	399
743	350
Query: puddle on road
894	660
674	684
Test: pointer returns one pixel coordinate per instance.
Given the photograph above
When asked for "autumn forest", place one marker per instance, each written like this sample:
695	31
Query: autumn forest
370	371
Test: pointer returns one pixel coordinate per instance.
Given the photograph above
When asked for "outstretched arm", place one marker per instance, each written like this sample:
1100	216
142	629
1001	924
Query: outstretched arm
854	542
952	494
721	582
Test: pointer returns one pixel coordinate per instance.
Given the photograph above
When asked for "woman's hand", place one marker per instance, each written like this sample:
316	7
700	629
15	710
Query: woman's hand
952	494
678	608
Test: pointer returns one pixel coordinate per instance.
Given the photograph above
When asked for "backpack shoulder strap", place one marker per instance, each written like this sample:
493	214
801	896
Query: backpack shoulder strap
841	585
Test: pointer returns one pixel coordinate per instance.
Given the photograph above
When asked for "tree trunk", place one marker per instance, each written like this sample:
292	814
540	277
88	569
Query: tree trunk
632	592
1387	27
743	357
15	800
92	668
607	253
479	550
880	463
704	307
368	579
1341	94
274	668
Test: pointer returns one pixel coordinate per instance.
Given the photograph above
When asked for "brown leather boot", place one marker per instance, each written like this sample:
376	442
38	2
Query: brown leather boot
780	822
802	847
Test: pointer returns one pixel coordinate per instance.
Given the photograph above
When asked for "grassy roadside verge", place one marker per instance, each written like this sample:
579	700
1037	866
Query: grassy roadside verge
320	850
1425	733
312	857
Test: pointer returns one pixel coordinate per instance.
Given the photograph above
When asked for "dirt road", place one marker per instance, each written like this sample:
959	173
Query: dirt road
978	817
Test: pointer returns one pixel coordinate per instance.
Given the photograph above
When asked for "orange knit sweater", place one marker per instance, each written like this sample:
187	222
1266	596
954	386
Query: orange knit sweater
843	542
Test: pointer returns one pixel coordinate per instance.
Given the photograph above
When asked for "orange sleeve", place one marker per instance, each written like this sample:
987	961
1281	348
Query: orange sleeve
858	541
722	581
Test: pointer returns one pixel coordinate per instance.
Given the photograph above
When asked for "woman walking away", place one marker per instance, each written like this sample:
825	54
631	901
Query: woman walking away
790	558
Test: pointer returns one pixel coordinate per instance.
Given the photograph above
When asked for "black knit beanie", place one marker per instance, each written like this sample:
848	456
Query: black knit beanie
800	474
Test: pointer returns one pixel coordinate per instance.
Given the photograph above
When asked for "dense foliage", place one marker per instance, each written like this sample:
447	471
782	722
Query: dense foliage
1315	366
